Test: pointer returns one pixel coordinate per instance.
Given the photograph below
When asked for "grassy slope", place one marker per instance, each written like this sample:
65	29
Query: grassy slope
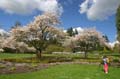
74	71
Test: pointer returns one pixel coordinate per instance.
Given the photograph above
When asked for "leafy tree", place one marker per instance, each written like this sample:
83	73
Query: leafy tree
89	40
40	32
17	24
76	32
116	48
106	38
70	31
118	23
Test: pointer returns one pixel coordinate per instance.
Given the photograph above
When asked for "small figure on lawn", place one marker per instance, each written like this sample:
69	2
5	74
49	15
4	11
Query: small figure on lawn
105	64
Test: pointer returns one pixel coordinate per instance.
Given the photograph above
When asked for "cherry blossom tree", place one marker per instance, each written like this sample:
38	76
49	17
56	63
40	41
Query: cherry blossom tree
39	33
87	40
3	36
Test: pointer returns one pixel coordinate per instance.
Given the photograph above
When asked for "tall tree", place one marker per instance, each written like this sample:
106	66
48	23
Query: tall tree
70	31
89	40
118	23
39	32
106	38
17	24
76	32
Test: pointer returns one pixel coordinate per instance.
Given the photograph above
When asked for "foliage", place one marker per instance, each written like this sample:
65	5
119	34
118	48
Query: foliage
88	40
2	66
3	37
116	48
13	68
13	46
106	38
118	23
67	49
17	24
54	48
15	56
116	60
72	32
40	32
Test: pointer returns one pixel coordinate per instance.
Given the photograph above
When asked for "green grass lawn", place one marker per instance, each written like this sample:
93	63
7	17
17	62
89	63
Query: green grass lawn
20	55
68	71
73	55
54	57
9	55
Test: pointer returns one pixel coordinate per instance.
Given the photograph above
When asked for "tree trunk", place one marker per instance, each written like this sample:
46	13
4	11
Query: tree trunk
39	53
86	55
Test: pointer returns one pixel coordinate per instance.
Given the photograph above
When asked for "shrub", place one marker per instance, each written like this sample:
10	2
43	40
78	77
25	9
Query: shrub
67	49
1	50
53	48
116	60
21	60
12	68
6	49
2	66
60	59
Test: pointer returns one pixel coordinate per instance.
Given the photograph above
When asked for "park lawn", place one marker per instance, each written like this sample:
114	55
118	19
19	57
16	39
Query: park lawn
10	55
68	71
20	55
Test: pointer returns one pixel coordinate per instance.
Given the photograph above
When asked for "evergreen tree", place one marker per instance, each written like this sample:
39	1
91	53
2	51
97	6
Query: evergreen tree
76	32
106	38
118	23
70	31
17	24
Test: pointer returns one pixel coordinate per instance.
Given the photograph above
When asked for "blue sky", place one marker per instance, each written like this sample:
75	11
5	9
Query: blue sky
73	14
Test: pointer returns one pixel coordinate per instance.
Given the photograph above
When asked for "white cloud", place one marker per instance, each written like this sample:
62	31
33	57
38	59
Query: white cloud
29	6
3	32
112	44
79	29
99	9
64	31
84	6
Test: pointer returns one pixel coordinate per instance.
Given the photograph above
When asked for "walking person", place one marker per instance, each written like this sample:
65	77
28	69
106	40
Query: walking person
105	64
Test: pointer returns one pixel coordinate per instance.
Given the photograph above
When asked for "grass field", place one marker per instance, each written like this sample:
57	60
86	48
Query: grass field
68	71
74	55
56	57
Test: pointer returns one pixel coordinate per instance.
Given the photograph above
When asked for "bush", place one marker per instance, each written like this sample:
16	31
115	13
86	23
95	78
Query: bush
22	60
53	48
116	60
1	50
6	49
67	49
2	66
60	59
12	68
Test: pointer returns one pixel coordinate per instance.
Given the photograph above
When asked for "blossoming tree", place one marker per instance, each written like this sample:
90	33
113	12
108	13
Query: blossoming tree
88	40
40	32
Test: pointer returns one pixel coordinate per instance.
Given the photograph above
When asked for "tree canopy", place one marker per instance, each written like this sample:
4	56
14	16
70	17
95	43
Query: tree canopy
40	32
118	23
88	40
